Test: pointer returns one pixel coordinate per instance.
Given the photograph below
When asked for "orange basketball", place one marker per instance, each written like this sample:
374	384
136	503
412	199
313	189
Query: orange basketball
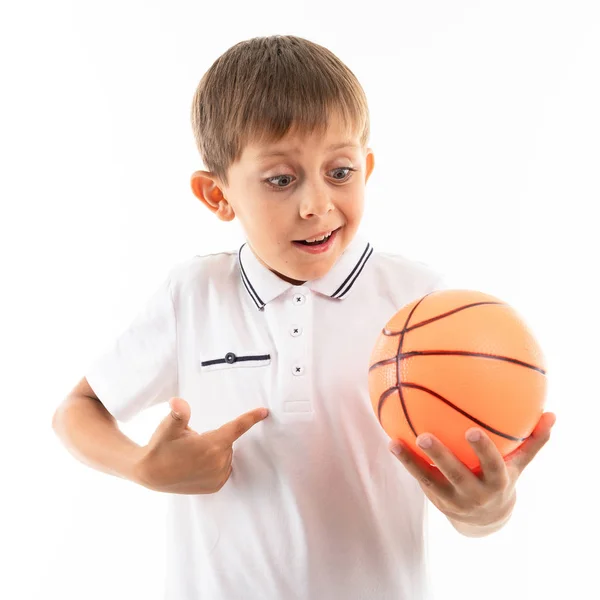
453	360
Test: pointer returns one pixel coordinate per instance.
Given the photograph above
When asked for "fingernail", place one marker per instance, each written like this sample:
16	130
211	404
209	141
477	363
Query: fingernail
474	435
396	449
424	441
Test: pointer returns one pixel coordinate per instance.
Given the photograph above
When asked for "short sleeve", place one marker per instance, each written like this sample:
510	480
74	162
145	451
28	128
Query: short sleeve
139	369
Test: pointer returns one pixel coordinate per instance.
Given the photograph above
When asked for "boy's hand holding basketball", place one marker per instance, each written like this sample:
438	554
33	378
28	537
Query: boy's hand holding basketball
478	500
179	460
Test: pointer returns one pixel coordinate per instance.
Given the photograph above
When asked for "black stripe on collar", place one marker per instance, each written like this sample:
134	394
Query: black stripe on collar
249	288
351	279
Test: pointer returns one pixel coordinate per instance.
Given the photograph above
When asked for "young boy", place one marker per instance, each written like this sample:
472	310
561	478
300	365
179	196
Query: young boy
303	500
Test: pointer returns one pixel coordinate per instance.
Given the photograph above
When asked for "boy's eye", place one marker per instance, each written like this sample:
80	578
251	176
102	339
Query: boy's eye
289	177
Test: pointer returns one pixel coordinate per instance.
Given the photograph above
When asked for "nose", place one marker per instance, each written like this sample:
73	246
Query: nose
316	202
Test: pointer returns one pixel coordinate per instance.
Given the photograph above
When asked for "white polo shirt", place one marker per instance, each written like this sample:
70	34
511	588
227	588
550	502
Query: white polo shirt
316	507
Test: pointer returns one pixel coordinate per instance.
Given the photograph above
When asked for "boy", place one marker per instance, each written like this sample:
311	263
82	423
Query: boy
302	500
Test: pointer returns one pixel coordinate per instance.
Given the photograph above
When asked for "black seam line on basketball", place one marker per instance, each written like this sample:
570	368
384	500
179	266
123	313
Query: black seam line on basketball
464	413
398	380
457	353
257	300
219	361
382	399
352	273
438	317
382	363
356	276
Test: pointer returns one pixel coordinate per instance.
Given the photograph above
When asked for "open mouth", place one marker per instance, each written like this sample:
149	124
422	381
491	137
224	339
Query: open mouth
320	241
320	245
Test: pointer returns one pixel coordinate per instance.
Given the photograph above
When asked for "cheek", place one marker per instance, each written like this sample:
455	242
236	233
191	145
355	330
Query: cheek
355	208
255	217
279	222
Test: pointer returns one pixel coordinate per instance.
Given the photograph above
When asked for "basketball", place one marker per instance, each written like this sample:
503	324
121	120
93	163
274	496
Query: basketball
456	359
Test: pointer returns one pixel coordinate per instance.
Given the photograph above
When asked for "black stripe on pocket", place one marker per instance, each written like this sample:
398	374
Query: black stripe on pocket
231	358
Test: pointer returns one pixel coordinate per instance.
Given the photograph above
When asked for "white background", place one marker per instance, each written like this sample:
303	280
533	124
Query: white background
486	129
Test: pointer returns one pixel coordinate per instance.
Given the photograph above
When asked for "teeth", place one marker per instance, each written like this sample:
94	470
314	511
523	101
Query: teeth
319	239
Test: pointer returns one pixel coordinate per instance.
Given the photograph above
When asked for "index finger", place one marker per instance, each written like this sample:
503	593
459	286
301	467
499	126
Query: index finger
235	429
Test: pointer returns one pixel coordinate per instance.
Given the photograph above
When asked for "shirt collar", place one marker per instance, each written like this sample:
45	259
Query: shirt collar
263	285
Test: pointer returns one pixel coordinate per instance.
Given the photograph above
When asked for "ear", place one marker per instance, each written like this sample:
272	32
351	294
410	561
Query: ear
370	164
206	188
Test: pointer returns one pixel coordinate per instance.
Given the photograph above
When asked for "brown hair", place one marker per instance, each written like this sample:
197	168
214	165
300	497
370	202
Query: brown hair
260	88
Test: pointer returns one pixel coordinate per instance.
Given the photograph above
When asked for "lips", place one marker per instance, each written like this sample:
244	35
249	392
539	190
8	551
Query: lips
318	235
317	248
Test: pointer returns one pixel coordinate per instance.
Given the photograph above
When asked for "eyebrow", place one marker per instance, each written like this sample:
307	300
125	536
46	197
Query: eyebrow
296	150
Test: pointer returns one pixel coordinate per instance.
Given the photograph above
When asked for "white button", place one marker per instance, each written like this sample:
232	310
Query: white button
298	370
299	299
295	331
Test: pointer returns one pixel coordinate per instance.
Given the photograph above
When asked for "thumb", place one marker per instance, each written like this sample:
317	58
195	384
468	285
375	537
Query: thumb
174	424
180	412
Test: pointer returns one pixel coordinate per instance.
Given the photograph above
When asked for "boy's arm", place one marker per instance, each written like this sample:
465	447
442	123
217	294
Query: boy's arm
177	459
91	434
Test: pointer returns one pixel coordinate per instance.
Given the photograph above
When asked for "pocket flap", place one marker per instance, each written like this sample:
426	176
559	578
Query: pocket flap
233	361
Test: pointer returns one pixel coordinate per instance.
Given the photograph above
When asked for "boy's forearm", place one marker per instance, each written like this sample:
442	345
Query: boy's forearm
91	434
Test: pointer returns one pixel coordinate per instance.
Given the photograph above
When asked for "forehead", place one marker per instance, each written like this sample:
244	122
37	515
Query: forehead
270	152
335	135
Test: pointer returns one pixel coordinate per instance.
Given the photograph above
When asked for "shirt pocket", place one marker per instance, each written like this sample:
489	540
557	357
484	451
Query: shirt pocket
229	385
234	361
